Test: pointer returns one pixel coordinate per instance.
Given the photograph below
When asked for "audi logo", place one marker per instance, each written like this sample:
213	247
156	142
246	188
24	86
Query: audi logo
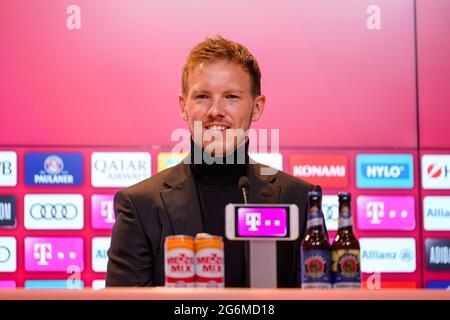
5	254
53	211
331	212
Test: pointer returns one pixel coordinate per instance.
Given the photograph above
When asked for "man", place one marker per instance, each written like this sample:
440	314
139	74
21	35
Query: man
221	95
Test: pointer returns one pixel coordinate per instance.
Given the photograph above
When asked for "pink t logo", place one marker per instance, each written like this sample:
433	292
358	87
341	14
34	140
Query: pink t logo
42	252
253	219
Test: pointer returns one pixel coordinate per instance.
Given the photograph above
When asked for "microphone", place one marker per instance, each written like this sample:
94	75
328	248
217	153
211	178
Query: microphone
244	185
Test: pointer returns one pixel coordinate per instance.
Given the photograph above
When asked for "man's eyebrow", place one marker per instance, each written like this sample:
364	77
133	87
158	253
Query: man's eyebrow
196	92
234	91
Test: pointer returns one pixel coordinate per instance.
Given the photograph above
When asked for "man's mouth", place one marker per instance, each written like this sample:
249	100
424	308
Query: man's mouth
217	127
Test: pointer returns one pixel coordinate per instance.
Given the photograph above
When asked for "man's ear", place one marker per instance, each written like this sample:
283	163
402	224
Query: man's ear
258	107
182	103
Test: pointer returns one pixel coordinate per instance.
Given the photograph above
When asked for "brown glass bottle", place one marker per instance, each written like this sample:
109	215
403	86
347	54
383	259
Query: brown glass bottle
345	251
315	248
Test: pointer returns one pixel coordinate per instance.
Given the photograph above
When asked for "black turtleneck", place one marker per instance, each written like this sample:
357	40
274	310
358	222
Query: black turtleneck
218	185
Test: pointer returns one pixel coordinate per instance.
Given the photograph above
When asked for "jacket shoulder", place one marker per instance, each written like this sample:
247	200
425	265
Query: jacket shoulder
153	185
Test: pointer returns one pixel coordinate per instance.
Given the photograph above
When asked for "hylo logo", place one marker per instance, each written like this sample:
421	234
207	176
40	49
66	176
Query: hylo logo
384	171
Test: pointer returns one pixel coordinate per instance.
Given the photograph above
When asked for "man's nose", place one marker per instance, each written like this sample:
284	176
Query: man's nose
217	108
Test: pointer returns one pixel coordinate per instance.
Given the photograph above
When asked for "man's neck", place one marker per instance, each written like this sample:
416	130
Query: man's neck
226	169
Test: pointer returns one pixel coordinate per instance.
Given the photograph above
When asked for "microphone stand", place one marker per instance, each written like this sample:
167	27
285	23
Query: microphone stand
263	254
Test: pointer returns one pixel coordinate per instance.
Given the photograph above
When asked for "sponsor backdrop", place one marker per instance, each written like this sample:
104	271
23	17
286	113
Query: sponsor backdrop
88	103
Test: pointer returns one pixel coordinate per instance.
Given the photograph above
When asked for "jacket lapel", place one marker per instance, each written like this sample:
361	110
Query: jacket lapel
261	188
181	201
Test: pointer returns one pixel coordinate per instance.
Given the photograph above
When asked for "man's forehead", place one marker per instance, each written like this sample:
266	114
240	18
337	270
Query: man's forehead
224	73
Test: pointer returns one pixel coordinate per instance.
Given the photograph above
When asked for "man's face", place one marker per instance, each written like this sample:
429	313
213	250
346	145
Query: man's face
219	101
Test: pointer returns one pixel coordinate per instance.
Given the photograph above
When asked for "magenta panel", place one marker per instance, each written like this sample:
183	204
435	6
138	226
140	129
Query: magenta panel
116	80
433	58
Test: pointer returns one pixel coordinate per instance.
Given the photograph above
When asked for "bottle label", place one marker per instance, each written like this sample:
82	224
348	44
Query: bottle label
315	218
346	268
345	217
316	269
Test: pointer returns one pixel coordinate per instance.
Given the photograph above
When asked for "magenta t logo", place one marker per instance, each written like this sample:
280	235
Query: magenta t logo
7	284
53	253
262	222
103	212
386	213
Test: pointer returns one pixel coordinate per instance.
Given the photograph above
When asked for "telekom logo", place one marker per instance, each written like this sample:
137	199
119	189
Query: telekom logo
54	254
102	216
43	253
253	219
107	211
386	212
375	211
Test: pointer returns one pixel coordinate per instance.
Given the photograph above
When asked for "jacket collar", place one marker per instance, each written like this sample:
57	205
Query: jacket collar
181	199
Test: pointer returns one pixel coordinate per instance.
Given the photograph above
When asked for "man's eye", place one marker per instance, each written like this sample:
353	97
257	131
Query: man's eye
232	96
201	96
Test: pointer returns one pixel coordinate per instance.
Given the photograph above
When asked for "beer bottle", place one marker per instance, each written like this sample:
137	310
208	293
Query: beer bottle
345	251
315	248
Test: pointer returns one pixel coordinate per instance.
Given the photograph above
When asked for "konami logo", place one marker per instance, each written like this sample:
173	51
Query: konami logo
323	169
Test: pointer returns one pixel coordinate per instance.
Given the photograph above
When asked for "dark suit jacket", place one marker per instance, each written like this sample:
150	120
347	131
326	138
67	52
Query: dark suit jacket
167	204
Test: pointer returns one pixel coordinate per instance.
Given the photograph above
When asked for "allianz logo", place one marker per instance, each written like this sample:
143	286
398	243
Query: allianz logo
384	171
438	213
101	254
403	255
319	171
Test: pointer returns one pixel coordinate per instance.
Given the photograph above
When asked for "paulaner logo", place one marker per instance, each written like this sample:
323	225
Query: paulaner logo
53	169
384	171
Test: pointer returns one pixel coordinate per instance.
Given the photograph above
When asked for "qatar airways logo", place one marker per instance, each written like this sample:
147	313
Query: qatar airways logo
436	171
325	170
119	169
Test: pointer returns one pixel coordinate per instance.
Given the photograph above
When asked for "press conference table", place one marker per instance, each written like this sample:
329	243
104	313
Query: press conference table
161	293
